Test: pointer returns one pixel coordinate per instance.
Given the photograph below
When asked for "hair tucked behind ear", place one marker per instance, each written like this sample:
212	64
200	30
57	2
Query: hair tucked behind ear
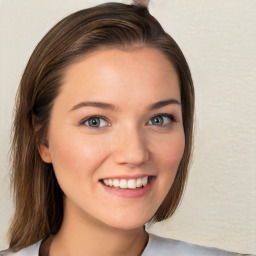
38	197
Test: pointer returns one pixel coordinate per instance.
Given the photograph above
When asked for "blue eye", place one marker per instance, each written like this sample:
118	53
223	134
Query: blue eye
95	122
162	120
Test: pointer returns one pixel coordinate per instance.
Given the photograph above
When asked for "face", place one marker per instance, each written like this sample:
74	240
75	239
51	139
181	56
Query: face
115	136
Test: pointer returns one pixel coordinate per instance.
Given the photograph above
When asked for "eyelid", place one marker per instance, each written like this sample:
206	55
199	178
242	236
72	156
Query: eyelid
170	116
86	119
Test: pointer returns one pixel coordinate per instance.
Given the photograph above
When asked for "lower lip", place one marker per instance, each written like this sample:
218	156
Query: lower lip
130	193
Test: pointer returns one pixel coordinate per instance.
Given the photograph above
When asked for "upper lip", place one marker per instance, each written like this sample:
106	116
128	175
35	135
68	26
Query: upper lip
127	177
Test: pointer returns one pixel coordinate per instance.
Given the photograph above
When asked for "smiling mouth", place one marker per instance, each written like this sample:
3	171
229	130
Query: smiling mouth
128	183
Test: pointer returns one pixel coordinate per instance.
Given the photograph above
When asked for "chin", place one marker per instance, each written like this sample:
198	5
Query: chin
127	225
129	222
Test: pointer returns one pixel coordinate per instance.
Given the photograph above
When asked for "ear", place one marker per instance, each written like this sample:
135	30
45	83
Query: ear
44	152
41	144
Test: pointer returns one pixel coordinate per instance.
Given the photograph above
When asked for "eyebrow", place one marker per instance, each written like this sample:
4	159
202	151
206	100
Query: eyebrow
164	103
103	105
94	104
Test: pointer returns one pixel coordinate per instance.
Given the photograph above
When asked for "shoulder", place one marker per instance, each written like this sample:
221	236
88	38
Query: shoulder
164	246
32	250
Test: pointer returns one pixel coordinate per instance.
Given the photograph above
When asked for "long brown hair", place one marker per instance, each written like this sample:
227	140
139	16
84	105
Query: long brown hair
38	197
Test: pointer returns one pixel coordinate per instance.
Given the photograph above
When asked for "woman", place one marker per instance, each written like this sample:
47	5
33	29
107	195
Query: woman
102	137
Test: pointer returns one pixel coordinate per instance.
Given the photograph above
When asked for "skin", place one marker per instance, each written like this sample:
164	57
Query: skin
127	143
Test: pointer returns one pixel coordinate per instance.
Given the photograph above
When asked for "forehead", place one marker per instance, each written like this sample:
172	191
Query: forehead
136	73
151	58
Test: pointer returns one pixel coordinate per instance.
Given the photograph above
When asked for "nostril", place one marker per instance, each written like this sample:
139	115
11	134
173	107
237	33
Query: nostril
131	156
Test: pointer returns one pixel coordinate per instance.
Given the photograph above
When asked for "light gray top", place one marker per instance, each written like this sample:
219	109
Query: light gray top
157	246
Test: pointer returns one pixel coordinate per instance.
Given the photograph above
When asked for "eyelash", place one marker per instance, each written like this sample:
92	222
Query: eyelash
94	117
171	118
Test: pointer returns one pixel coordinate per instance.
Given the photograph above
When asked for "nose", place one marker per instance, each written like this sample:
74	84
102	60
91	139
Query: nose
130	147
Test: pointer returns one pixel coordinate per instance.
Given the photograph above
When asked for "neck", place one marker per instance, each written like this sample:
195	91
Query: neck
86	235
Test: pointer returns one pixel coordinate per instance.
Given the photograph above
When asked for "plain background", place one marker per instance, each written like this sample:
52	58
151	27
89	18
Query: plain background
218	39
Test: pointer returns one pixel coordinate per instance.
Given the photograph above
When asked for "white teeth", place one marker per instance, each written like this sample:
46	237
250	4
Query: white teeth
124	183
131	184
110	182
145	181
116	183
139	183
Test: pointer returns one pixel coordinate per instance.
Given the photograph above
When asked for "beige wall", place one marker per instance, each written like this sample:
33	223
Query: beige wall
219	40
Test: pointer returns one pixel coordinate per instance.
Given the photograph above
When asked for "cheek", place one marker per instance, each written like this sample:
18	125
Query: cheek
169	153
75	157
